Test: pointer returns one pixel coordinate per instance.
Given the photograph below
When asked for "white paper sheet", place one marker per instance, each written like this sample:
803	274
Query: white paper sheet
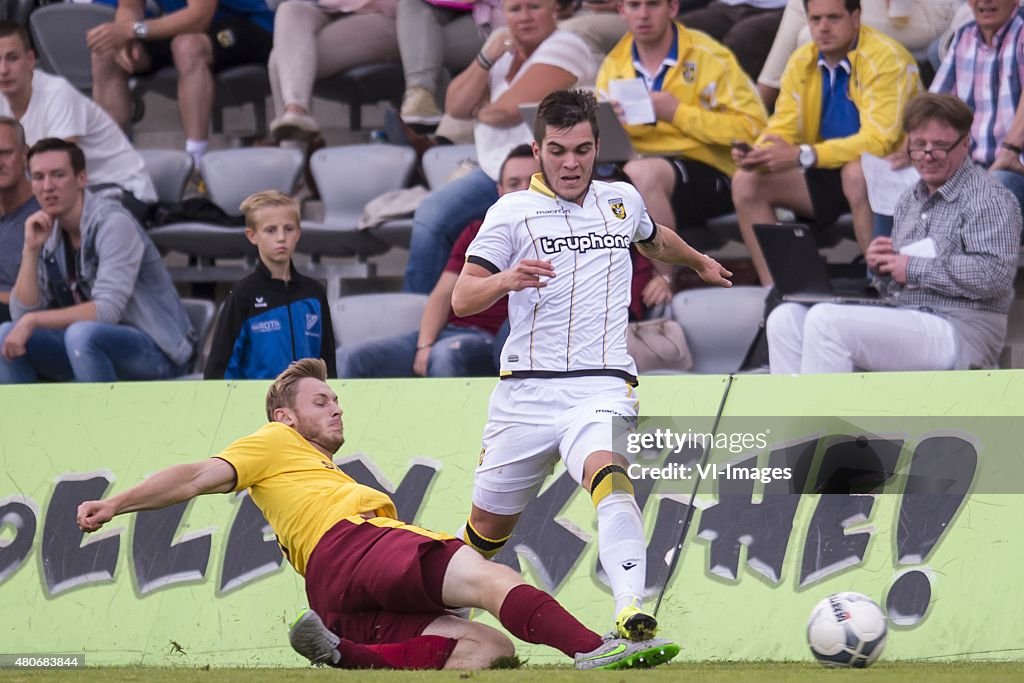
924	248
884	184
632	96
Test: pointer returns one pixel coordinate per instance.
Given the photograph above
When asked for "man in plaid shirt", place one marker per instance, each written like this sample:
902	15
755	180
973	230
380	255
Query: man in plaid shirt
985	68
948	268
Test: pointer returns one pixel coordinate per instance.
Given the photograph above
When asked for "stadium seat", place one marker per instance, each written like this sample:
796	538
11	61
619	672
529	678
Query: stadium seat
169	169
364	317
58	32
231	176
364	84
440	161
348	178
720	325
236	86
201	312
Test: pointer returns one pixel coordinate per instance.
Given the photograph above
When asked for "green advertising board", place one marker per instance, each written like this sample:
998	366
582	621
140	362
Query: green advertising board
934	541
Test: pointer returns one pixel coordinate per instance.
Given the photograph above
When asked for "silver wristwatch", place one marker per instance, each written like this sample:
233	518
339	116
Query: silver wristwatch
806	157
140	30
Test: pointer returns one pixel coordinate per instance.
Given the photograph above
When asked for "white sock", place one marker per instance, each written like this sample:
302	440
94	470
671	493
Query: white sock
622	548
196	148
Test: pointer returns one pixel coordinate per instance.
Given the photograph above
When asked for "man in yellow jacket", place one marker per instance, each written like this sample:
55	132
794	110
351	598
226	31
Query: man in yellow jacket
841	95
703	101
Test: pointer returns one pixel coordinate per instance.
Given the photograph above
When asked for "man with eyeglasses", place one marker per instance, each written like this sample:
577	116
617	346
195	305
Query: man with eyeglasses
947	270
984	68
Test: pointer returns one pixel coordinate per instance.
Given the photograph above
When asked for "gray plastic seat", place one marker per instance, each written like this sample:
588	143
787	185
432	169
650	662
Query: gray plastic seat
201	313
365	317
363	84
236	86
58	32
170	170
440	161
720	325
231	176
348	178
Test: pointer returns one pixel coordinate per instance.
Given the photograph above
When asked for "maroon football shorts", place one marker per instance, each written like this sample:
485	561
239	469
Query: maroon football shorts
375	584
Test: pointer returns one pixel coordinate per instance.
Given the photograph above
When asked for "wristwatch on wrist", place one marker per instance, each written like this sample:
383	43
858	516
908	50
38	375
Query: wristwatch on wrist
807	156
140	30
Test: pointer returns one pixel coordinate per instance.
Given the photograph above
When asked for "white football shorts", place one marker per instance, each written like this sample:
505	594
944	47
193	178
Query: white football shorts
532	422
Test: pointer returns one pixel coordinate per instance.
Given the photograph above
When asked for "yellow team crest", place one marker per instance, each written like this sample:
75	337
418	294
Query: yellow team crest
618	208
689	71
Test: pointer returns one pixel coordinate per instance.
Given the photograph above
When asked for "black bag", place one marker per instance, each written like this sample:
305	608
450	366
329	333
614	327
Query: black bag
195	210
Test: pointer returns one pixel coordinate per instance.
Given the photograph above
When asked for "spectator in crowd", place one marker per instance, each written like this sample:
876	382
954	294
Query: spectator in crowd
16	204
93	301
198	37
518	64
914	23
314	40
747	27
842	94
599	23
49	107
703	101
445	345
985	68
948	269
434	36
275	315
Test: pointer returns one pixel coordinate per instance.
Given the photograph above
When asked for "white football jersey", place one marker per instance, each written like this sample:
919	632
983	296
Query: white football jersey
576	325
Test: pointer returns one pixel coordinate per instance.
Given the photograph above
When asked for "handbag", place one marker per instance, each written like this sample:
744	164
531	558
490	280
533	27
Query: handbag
658	344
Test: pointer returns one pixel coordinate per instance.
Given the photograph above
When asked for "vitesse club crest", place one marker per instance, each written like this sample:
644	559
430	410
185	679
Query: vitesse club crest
618	208
689	71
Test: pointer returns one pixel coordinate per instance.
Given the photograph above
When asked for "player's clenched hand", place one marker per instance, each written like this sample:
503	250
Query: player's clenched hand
93	514
528	273
713	272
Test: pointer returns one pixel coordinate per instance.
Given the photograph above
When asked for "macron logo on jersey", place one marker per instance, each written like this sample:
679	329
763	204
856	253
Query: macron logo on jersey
583	243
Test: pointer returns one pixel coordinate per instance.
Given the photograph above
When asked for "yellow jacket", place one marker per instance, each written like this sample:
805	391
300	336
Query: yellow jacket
883	78
717	101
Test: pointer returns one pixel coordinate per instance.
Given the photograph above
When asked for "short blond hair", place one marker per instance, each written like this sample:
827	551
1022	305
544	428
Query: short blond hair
266	200
281	393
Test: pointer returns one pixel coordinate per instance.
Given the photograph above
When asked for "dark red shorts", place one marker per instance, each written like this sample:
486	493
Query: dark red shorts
373	584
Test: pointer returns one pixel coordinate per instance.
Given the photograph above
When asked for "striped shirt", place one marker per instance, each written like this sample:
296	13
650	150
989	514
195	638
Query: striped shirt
988	79
576	325
976	224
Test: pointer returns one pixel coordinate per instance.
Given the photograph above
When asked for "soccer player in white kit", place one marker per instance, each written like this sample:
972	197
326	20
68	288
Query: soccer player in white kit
560	250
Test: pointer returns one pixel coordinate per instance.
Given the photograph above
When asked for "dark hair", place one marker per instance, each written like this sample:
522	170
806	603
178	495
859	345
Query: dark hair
57	145
12	28
19	132
523	151
942	107
851	5
563	109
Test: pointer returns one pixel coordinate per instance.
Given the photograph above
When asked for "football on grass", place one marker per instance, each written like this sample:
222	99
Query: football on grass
847	630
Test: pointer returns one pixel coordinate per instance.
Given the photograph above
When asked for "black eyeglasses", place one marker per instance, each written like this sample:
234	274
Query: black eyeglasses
937	153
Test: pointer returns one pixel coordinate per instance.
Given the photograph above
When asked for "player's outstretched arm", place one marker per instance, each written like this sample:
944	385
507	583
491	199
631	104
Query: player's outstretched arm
478	289
669	247
175	484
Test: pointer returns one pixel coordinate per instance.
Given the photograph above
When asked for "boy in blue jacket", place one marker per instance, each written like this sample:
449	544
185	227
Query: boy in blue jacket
275	315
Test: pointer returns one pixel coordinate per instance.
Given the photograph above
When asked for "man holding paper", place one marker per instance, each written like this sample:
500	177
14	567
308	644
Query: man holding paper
684	100
948	268
842	94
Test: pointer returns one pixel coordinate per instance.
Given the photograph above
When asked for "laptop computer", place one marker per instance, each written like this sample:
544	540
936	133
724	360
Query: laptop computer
799	271
615	143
